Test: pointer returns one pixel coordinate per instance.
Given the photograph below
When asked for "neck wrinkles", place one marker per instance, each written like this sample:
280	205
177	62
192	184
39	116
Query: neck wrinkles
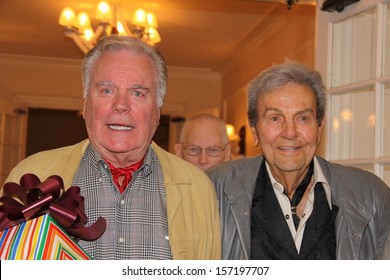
289	180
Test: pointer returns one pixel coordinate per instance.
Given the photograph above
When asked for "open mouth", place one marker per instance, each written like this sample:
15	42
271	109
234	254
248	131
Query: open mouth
120	127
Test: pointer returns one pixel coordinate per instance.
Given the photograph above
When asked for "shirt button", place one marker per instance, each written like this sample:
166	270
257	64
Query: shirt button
121	240
287	216
122	202
245	213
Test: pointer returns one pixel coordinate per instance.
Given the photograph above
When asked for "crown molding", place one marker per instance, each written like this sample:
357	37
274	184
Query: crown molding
51	102
173	109
23	59
188	71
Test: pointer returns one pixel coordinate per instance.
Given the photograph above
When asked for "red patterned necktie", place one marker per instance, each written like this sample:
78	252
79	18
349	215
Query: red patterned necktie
125	172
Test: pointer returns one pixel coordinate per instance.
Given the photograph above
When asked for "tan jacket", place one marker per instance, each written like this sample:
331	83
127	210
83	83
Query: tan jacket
193	217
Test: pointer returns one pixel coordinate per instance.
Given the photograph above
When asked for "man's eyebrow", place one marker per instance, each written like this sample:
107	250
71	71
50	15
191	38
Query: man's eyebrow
104	83
138	86
309	110
110	83
276	110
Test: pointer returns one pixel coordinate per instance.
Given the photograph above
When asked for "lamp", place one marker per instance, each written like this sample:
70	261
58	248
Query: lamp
237	141
231	133
79	29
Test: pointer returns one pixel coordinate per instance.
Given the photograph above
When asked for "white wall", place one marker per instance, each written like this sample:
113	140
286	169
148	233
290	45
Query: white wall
191	91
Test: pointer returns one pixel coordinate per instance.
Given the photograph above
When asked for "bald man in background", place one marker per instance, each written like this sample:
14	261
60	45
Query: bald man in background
204	141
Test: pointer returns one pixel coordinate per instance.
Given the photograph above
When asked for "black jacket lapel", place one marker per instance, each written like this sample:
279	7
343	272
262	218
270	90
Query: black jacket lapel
267	217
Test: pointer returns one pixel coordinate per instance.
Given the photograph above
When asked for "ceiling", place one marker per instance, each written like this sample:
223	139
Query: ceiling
195	33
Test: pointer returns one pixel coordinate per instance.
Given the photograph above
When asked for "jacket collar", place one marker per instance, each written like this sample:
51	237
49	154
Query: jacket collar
240	193
342	191
353	211
246	180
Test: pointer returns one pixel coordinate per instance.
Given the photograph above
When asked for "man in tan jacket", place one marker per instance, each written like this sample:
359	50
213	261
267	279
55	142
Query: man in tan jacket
156	205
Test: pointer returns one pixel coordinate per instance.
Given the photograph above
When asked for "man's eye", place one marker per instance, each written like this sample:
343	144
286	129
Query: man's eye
138	94
305	119
106	90
193	149
274	118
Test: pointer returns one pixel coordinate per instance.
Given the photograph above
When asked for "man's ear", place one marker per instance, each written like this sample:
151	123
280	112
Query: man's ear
320	130
255	136
179	150
228	154
158	115
85	104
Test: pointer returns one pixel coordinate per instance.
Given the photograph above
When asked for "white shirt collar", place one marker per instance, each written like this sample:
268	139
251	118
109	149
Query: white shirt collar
318	176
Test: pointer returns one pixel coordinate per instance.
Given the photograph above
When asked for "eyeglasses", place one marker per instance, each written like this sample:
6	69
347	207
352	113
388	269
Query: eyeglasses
212	151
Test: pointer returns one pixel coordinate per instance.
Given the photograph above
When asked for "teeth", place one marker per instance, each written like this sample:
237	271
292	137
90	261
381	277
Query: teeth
288	148
119	127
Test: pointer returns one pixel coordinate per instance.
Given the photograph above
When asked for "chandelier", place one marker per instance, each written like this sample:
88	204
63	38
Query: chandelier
79	29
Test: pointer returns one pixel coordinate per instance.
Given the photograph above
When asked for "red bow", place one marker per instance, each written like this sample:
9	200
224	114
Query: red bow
32	198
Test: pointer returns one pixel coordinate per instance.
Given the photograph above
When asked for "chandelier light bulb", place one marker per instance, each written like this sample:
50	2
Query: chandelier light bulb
153	35
83	22
120	28
152	20
103	12
140	18
88	34
67	17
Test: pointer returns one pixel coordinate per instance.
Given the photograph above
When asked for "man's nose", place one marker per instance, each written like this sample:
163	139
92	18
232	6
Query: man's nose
121	103
203	157
290	129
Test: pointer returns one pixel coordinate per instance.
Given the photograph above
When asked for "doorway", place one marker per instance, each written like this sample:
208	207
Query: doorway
53	128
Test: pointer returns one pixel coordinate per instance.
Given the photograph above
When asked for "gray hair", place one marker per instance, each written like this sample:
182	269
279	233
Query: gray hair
204	117
279	75
116	43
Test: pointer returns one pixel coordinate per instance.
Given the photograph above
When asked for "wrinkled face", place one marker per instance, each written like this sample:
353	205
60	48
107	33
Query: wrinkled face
204	134
121	112
288	130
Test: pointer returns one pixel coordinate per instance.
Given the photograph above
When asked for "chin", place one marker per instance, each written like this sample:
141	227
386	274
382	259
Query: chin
290	166
120	147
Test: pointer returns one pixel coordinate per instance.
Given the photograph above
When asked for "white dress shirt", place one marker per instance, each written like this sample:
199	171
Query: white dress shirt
285	205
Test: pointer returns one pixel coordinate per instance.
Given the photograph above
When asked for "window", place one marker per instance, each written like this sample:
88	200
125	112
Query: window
357	72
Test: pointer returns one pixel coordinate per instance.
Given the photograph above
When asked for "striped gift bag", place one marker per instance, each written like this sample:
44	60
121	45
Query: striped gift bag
39	239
